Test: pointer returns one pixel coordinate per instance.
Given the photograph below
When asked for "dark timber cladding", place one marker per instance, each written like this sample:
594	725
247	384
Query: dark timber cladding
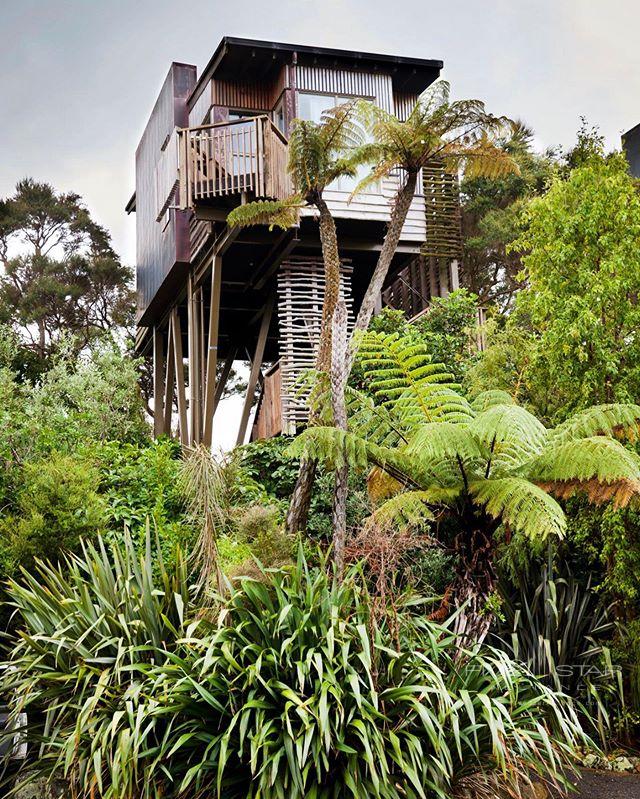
160	245
209	295
631	145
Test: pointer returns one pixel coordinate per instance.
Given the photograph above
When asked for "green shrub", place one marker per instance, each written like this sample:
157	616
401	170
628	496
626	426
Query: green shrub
56	505
263	529
292	688
140	486
267	464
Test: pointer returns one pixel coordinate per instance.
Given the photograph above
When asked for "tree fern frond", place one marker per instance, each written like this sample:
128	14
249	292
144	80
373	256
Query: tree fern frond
341	129
381	485
376	424
485	159
598	466
525	507
445	441
618	420
509	433
401	374
408	509
486	399
275	213
331	446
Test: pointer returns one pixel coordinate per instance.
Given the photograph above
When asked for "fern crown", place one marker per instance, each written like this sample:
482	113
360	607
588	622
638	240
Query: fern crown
433	452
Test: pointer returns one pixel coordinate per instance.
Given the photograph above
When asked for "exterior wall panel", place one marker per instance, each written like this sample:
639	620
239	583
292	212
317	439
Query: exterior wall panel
201	107
403	104
159	244
374	86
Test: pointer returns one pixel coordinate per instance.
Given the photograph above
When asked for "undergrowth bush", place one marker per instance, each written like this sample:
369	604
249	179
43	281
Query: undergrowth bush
287	687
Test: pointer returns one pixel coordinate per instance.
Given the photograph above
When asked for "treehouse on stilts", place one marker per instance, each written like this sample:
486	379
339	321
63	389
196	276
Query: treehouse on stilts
209	294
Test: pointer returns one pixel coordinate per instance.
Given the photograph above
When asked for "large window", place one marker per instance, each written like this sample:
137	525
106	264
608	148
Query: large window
311	106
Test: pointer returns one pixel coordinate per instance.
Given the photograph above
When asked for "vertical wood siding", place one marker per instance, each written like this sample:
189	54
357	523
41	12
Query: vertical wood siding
159	244
403	103
373	85
201	107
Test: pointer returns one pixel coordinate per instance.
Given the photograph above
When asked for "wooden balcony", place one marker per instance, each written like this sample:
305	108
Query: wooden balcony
246	156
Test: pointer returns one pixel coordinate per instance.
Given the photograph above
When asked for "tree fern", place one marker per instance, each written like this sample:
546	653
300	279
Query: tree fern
522	505
401	374
508	434
274	213
598	466
486	399
411	509
486	466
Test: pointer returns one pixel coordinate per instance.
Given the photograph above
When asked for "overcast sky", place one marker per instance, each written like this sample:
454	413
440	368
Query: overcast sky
79	77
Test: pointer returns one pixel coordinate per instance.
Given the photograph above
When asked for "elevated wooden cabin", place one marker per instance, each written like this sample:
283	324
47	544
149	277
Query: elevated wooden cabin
208	294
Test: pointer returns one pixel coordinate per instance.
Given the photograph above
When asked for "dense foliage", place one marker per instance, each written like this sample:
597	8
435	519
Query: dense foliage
480	467
60	276
290	688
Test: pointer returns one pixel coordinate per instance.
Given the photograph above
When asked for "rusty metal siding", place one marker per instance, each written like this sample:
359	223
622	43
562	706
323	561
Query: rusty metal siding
159	244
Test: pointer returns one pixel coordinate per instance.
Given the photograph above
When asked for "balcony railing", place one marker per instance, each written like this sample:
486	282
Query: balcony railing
227	158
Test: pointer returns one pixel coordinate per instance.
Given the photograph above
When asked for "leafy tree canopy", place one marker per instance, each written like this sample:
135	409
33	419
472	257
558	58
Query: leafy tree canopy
582	266
491	215
61	274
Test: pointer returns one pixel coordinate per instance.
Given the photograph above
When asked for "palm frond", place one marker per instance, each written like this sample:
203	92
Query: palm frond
525	507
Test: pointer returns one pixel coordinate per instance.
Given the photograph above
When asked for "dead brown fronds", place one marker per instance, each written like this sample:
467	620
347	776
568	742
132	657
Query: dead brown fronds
620	491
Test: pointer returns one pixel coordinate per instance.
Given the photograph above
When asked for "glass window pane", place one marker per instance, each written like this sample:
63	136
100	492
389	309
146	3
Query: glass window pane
311	106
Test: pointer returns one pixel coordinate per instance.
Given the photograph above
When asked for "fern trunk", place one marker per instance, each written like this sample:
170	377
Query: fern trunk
401	205
474	584
331	260
339	408
298	512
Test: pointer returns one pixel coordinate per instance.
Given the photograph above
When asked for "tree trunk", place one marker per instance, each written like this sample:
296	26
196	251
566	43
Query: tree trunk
331	258
338	385
401	205
298	512
475	582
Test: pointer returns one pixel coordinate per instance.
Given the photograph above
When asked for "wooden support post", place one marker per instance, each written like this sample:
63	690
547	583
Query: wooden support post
212	351
193	332
455	275
226	370
169	384
179	373
434	288
158	383
256	363
444	277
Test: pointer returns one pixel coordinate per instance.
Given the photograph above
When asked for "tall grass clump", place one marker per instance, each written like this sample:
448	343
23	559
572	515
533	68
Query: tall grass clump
289	686
90	634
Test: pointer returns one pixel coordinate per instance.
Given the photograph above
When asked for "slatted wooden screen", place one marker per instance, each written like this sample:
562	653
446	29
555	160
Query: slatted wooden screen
300	294
442	208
